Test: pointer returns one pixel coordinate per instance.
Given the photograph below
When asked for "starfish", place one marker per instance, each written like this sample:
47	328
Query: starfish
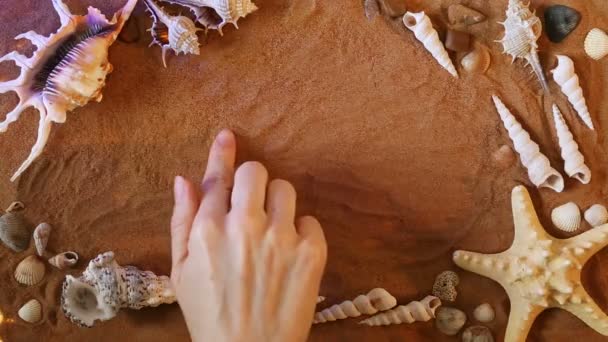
539	271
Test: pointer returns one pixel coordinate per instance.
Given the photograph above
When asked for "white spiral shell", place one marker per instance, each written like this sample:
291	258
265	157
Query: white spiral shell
42	233
31	311
64	260
596	44
574	162
567	79
375	300
415	311
566	217
596	215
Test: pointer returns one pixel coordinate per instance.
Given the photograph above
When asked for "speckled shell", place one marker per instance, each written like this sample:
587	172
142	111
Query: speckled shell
42	233
450	320
484	313
566	217
64	260
214	14
596	44
445	284
31	311
477	60
30	271
14	231
596	215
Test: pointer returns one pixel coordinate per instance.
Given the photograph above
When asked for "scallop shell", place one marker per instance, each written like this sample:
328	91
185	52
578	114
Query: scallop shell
477	333
596	44
64	260
214	14
14	230
67	70
450	320
41	237
560	21
566	217
477	60
596	215
30	271
484	313
31	311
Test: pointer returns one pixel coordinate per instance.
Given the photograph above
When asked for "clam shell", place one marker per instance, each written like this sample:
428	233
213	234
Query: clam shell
14	231
477	60
31	311
41	237
64	260
484	313
596	215
566	217
30	271
560	20
450	320
596	44
477	333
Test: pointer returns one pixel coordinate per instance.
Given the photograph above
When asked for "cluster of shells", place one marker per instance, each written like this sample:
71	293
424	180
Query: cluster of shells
567	217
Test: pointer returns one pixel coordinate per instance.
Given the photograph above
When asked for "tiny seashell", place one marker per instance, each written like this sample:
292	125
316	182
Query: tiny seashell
477	60
596	44
566	217
450	320
41	237
64	260
457	41
371	8
445	284
14	231
504	156
31	311
484	313
30	271
477	333
560	20
461	15
596	215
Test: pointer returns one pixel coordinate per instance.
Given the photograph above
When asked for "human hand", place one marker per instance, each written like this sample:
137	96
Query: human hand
242	269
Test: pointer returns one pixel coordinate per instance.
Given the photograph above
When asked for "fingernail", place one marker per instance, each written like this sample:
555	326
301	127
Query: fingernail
178	187
225	138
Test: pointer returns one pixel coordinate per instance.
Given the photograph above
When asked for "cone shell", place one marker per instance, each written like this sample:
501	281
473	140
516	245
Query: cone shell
31	311
30	271
64	260
596	215
41	237
14	231
596	44
566	217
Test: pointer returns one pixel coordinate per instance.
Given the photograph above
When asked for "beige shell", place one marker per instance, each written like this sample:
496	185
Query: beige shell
460	15
42	233
574	162
416	311
31	311
567	79
450	320
596	44
420	24
320	299
214	14
596	215
375	300
504	156
477	60
477	333
566	217
539	169
484	313
445	284
14	231
64	260
30	271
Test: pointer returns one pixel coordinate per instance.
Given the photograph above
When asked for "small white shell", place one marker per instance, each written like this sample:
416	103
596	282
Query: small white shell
41	237
596	215
30	271
596	44
477	60
566	217
484	313
31	311
64	260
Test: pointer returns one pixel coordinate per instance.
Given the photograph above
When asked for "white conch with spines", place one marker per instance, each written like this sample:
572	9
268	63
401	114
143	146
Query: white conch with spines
416	311
574	162
214	14
539	169
375	300
421	25
567	79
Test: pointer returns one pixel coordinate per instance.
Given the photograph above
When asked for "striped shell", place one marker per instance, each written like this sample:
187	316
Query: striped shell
64	260
31	311
30	271
566	217
14	230
596	215
41	237
596	44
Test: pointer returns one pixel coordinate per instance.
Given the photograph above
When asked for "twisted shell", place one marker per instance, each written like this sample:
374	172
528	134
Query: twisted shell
376	300
574	162
564	75
416	311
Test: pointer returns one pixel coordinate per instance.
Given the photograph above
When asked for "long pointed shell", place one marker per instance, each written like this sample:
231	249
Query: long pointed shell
31	311
214	14
420	24
567	79
42	233
421	311
64	260
376	300
14	231
596	44
30	271
574	162
596	215
539	169
566	217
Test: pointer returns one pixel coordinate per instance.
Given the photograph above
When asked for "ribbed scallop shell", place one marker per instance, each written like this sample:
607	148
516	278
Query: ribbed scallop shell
596	215
214	14
31	311
14	230
596	44
42	233
30	271
64	260
566	217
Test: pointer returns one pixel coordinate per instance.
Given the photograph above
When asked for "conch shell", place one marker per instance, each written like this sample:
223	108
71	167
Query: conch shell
420	24
567	79
540	171
522	30
214	14
177	33
105	287
67	70
376	300
415	311
574	162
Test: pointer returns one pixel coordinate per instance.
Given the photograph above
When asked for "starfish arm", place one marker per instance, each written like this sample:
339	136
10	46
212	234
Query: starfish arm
487	265
582	306
585	245
527	225
521	317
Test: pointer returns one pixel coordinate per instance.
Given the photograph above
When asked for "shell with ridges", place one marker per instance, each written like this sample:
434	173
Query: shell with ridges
64	260
31	311
596	215
420	24
566	217
375	300
30	271
14	231
214	14
416	311
567	79
596	44
574	162
477	60
42	233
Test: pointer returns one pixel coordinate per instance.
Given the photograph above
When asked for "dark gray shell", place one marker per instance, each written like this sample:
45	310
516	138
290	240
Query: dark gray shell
560	20
14	232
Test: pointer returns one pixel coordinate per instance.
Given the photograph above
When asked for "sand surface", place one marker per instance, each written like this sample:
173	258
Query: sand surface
391	153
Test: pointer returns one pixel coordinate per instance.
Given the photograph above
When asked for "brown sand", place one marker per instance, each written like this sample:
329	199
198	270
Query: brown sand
390	152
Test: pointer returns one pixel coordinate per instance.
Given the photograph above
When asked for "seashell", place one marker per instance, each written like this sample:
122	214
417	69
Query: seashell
477	60
420	24
320	299
574	162
371	8
484	313
177	33
504	156
214	14
105	287
41	237
459	15
14	231
457	41
450	320
375	300
522	30
29	271
31	311
477	333
67	70
567	79
596	215
596	44
540	171
64	260
560	20
415	311
566	217
445	286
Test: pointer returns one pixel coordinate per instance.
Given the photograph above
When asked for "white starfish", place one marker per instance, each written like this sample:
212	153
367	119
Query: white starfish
539	271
